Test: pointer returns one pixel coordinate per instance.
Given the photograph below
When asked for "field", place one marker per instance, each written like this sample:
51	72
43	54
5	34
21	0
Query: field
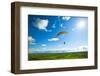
53	56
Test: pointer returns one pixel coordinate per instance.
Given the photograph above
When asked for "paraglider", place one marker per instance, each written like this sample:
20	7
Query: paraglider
62	33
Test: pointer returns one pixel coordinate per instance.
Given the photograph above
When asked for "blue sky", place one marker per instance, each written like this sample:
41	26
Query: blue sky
43	29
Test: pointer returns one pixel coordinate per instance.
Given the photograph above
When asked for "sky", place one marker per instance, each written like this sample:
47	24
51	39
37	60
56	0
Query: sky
43	33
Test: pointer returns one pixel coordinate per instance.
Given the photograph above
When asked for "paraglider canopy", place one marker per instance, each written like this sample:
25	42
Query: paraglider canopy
61	33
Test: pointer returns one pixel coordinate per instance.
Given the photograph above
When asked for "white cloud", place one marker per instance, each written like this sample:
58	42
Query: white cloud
66	49
66	17
31	40
79	49
79	25
43	44
53	39
41	24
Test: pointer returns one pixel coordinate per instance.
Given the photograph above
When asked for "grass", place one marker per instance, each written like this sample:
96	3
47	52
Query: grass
53	56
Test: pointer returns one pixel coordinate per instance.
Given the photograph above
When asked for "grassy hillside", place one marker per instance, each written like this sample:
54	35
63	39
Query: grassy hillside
53	56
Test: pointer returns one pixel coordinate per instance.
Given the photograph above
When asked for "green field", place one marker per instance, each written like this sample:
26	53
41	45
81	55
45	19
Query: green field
53	56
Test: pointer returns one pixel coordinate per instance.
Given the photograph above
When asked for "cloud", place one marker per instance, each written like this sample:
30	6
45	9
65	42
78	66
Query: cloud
53	39
43	44
66	17
79	25
31	40
79	48
41	24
